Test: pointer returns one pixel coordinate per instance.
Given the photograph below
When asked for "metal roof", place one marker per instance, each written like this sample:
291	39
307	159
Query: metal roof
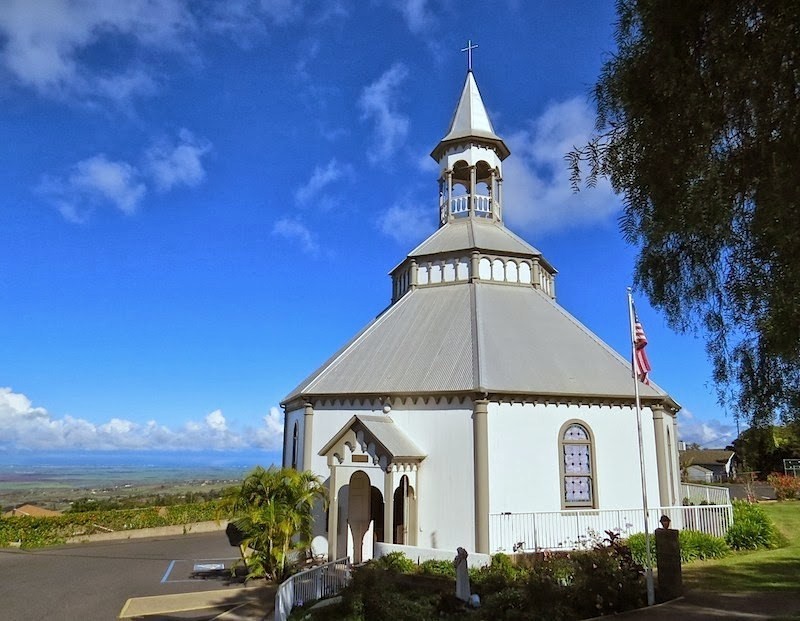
475	337
470	120
383	431
474	234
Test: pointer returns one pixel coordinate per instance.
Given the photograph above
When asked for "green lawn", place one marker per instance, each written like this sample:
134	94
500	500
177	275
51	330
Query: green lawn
762	570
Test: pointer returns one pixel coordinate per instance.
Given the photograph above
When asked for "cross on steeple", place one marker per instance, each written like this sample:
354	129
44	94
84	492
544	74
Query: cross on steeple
468	50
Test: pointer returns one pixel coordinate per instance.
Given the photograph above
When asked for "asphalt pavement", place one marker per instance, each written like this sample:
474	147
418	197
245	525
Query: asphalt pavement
90	582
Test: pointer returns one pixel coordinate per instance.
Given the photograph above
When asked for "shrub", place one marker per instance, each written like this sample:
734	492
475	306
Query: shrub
396	562
786	487
751	528
694	546
438	568
701	546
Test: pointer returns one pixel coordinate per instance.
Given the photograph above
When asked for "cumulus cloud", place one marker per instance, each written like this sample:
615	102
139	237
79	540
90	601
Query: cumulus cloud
96	180
180	163
23	426
47	45
378	104
711	433
99	181
407	221
321	178
537	195
294	230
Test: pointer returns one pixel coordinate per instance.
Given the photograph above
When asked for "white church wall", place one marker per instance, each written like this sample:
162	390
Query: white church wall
445	494
524	456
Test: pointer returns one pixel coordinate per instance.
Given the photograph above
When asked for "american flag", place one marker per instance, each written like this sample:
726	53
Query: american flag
640	355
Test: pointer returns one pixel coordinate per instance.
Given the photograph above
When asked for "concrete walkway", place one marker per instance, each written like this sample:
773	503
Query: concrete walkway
696	605
245	603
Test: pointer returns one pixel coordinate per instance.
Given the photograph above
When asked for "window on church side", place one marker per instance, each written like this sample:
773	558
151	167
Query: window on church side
576	451
294	447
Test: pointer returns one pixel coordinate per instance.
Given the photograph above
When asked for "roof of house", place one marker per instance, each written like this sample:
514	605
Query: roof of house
706	457
381	430
31	510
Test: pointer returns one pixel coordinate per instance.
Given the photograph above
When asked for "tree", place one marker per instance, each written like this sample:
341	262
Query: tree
698	128
273	510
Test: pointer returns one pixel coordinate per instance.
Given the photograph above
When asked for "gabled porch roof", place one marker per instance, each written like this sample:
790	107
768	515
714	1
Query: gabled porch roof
380	431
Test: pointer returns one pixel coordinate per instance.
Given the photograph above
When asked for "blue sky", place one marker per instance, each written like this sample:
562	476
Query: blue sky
201	201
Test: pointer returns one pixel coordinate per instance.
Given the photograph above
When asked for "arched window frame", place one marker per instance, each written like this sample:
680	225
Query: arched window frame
565	443
295	442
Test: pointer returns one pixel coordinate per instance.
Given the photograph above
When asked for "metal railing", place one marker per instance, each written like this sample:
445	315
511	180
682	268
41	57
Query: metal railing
571	530
310	585
708	494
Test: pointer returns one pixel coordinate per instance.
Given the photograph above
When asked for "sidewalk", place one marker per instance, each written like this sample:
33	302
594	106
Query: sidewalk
696	605
244	603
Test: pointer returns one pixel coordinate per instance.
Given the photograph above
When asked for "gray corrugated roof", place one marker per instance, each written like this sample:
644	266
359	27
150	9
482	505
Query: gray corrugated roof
382	430
420	344
471	120
521	342
474	233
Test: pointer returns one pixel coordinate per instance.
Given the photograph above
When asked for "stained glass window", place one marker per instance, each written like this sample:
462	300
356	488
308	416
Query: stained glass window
576	447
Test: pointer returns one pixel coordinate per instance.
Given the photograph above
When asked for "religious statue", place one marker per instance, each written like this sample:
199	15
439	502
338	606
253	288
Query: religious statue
462	575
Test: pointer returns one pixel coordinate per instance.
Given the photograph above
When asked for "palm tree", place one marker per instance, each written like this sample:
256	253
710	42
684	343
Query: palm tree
273	510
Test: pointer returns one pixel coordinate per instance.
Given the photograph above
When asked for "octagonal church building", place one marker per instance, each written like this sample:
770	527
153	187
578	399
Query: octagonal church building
475	411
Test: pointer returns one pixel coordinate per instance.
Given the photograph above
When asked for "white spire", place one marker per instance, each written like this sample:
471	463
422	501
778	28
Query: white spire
470	120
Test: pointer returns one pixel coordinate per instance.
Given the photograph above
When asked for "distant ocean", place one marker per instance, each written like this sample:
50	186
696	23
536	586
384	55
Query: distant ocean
103	468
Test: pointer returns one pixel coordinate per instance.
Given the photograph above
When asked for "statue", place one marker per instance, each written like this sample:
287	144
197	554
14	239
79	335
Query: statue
462	575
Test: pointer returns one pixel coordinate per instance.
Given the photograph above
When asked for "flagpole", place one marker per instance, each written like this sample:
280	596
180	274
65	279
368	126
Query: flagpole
648	569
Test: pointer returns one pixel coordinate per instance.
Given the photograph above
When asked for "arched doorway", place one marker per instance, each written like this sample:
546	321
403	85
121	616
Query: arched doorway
364	517
405	512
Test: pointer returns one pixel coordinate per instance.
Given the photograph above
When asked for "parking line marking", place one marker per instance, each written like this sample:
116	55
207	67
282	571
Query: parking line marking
166	574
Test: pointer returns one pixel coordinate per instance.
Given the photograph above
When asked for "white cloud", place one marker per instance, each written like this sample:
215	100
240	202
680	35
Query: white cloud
93	181
173	164
322	177
407	221
270	436
98	181
378	103
293	229
537	195
23	426
47	43
416	13
710	433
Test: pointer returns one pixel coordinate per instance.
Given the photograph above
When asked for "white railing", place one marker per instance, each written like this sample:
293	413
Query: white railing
708	494
460	204
570	530
310	585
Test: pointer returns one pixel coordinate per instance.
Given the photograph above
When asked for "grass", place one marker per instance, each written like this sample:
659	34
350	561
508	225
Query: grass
762	570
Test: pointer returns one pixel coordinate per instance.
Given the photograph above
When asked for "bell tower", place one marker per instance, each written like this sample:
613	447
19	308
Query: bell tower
470	160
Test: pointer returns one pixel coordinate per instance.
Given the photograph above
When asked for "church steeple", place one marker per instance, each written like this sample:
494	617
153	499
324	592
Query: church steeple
470	161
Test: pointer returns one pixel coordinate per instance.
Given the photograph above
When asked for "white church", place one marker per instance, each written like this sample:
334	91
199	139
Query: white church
475	411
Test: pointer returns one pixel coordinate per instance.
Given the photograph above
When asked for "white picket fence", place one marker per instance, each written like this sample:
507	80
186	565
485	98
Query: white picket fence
572	530
707	494
310	585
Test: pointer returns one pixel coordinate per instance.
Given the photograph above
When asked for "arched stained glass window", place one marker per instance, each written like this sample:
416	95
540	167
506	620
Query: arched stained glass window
577	466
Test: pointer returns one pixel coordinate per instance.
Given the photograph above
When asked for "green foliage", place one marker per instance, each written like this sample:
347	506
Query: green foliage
445	569
698	127
751	529
143	501
694	544
396	562
786	486
35	532
273	508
